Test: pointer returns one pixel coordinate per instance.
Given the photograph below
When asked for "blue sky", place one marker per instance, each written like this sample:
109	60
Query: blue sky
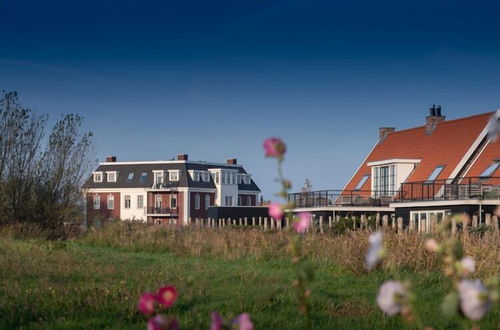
213	79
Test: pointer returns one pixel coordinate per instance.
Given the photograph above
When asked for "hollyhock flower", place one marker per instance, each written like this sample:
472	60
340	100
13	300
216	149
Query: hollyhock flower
431	245
217	321
243	321
275	211
166	296
303	222
474	300
467	265
375	250
494	126
391	297
146	303
274	147
157	323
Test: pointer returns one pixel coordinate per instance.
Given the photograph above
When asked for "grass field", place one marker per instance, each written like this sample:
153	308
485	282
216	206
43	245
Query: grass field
83	284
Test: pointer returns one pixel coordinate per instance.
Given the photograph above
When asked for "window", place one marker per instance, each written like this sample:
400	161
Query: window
229	200
490	170
97	202
111	202
158	177
158	201
173	202
130	177
197	201
206	176
247	179
111	176
127	201
249	201
239	178
423	219
143	177
435	173
362	182
196	176
174	175
384	180
207	201
140	201
98	177
240	201
233	178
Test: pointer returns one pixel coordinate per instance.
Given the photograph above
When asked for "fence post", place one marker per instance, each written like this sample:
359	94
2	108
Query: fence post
273	222
278	223
400	225
240	222
412	225
474	221
253	221
393	222
287	219
260	221
337	219
433	223
495	223
245	221
488	219
453	226
321	224
330	222
265	223
353	223
385	221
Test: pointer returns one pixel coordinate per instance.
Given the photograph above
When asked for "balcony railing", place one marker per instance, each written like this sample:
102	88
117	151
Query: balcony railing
160	210
322	198
165	185
450	189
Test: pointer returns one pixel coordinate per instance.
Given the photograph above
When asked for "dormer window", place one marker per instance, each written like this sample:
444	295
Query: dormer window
174	175
205	176
97	176
490	170
387	175
362	182
143	177
130	177
111	176
159	175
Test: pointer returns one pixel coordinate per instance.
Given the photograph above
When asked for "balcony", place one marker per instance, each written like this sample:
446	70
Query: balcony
332	198
450	189
165	185
151	210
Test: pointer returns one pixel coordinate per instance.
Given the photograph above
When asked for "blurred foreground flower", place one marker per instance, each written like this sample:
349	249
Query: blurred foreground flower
431	245
160	323
274	147
146	303
275	211
474	300
217	321
243	321
467	266
391	297
303	222
375	250
167	296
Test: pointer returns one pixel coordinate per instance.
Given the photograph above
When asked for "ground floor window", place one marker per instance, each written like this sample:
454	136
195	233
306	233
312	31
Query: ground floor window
423	219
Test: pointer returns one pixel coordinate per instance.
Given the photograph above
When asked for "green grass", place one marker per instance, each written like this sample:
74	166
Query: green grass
54	285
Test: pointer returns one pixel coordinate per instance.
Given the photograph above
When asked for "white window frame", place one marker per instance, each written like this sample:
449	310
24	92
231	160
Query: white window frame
125	199
207	201
111	174
97	202
197	202
435	173
111	202
97	176
158	174
130	177
427	219
173	201
384	188
140	201
173	175
490	170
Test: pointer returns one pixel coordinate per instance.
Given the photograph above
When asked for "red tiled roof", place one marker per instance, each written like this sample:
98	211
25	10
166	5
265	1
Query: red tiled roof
446	146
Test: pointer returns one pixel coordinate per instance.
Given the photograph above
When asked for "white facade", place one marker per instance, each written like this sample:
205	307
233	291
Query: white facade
134	211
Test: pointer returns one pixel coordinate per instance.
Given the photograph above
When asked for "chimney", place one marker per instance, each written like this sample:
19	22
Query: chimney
384	131
434	118
182	157
232	161
111	159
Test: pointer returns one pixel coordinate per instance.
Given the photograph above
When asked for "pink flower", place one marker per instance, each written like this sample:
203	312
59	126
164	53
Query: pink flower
375	250
274	147
431	245
243	321
275	211
391	297
146	303
157	323
303	222
467	265
474	299
166	296
217	321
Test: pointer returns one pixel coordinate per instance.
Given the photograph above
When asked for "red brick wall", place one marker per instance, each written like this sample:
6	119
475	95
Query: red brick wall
103	213
202	212
244	199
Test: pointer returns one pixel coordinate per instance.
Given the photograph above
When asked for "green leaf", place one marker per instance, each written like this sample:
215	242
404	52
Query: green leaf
449	307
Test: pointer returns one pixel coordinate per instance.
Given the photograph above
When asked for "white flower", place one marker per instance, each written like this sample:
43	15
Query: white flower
431	245
468	266
391	296
494	126
375	250
474	300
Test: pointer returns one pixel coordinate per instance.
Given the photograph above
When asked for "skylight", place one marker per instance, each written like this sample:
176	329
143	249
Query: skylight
143	177
130	177
362	182
490	170
435	173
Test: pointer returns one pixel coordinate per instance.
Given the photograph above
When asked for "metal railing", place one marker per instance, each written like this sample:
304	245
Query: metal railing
160	210
450	189
165	185
322	198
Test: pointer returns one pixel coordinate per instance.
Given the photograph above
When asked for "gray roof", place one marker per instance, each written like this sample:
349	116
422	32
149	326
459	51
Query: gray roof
124	169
